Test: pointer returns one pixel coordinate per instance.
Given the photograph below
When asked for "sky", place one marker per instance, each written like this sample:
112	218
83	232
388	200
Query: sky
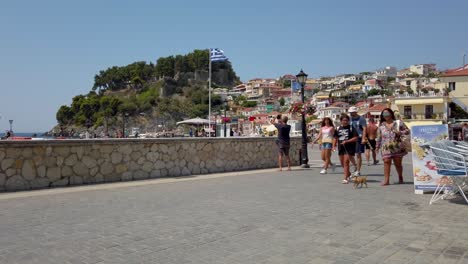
51	50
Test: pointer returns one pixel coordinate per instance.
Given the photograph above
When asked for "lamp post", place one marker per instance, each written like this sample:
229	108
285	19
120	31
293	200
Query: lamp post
124	118
225	120
301	78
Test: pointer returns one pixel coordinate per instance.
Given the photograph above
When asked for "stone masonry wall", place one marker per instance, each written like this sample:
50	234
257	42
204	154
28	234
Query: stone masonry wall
38	164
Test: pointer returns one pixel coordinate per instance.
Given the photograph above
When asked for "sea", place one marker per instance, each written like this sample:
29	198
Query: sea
25	134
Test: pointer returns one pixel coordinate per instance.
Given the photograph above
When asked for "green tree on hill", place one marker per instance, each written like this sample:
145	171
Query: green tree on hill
135	88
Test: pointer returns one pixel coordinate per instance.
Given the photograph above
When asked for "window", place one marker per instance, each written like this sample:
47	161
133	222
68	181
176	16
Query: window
408	83
407	112
429	111
452	86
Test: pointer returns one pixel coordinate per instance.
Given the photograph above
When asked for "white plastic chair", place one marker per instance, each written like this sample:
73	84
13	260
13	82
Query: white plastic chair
453	164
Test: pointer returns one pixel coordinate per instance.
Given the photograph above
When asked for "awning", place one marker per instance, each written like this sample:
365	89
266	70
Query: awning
410	124
195	121
423	100
321	96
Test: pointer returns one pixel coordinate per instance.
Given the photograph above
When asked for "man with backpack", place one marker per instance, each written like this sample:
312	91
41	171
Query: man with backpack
359	124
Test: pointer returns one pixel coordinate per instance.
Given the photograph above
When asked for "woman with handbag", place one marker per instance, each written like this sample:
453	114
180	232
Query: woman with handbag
390	141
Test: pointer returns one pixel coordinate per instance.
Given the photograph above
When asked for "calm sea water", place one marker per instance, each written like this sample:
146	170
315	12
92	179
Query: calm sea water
27	134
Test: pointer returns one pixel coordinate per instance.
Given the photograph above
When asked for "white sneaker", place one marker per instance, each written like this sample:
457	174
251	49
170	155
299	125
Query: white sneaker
357	173
323	171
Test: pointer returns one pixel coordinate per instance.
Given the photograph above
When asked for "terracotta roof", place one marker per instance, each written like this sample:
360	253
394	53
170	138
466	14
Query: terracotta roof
462	71
289	77
246	109
362	103
260	115
377	108
340	104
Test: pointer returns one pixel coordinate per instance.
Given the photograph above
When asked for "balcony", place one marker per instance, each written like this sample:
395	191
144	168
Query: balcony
422	116
420	94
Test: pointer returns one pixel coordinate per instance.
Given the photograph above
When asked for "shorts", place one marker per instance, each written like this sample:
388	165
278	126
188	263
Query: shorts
371	144
283	149
360	148
326	146
347	149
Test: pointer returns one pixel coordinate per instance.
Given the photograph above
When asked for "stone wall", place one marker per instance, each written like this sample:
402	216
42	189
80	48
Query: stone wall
50	163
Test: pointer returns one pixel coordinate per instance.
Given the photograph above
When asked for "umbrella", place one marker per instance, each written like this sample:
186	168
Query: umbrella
195	121
271	128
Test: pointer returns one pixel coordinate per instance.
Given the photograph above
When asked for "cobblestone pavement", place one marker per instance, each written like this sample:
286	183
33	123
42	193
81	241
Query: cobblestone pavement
252	217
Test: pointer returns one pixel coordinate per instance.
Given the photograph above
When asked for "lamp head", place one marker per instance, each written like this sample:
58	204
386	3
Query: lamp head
301	77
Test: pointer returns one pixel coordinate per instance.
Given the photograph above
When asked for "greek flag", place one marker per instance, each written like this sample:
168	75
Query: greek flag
217	55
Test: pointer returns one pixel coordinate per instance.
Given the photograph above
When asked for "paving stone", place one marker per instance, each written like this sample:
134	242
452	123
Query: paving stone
269	217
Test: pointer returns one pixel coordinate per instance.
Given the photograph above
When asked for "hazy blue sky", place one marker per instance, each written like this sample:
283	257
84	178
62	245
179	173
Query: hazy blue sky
51	50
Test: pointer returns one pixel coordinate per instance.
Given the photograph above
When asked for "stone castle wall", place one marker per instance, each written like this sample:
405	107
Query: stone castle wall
39	164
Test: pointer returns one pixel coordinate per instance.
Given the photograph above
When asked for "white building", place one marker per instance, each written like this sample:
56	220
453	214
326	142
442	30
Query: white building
333	112
423	69
387	71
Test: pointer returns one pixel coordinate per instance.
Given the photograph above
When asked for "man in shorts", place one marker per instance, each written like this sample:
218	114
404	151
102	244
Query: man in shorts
360	125
283	142
370	146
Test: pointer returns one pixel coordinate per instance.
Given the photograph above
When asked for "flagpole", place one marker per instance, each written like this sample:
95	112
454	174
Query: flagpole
209	92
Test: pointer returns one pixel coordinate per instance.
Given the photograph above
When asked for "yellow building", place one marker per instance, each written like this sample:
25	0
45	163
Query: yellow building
422	109
456	81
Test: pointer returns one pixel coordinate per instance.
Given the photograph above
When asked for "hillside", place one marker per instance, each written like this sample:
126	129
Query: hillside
147	95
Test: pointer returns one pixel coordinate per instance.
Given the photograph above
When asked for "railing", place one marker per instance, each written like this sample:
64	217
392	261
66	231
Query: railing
423	116
420	94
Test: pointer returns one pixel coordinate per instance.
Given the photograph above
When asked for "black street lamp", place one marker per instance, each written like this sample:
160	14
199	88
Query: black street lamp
225	120
302	78
124	117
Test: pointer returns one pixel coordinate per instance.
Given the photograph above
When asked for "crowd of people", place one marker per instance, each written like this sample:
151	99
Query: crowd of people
351	139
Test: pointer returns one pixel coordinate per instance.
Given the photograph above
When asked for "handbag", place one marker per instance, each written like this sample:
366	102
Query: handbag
404	139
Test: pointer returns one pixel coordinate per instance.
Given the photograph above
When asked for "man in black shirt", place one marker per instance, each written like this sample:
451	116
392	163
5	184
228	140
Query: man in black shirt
283	142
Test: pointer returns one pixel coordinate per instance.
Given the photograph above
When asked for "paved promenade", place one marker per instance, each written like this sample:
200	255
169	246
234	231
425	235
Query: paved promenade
250	217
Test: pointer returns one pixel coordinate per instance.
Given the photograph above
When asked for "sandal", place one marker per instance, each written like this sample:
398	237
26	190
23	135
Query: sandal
384	184
344	182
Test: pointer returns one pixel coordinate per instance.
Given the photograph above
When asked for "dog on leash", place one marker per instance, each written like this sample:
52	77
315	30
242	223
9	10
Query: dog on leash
359	180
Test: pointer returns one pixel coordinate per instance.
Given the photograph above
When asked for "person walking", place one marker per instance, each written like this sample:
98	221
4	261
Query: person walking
370	146
345	138
360	125
390	143
283	142
326	135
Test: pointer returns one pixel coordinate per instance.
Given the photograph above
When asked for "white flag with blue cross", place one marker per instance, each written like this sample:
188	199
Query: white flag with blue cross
217	55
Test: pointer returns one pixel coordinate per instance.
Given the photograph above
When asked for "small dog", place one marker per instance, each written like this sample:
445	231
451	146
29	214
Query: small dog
359	180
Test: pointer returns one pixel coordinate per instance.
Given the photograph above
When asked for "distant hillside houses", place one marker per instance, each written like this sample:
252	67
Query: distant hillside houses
412	92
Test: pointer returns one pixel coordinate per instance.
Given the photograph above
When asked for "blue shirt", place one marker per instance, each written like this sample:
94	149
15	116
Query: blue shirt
359	123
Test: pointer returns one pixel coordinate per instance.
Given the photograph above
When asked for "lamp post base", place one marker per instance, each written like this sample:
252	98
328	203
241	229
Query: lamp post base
305	166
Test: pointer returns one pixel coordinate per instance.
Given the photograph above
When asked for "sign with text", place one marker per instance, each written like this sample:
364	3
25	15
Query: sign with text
425	173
